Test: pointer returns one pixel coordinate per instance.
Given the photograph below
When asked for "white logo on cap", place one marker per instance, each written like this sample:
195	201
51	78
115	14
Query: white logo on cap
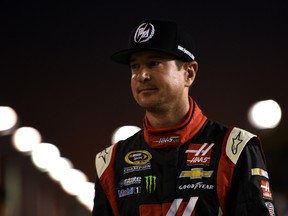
144	32
186	52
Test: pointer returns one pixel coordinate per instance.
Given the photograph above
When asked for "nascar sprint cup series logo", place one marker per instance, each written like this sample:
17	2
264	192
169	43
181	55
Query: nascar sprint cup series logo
139	157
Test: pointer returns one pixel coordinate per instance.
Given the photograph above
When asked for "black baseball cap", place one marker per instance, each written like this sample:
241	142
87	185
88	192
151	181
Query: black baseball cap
158	35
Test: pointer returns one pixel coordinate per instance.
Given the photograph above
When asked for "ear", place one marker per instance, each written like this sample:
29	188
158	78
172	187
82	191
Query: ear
191	69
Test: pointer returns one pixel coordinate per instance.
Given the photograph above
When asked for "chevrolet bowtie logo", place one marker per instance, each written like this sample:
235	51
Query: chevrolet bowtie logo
196	173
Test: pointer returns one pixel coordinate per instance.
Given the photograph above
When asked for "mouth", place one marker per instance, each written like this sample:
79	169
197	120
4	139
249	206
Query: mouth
146	90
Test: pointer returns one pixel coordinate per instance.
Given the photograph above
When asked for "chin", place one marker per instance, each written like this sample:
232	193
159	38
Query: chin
144	103
148	104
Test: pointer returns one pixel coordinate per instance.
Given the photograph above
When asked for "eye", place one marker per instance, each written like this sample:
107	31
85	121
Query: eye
134	66
153	63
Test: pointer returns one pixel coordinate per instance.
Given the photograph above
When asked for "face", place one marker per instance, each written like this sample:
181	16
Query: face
156	81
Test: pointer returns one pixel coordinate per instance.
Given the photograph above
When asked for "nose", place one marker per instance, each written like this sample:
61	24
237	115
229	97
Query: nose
144	75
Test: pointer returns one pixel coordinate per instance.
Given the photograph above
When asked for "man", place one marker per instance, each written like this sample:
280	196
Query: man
181	162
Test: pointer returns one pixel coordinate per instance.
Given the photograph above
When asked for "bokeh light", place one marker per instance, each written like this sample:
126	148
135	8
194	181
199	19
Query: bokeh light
124	132
265	114
73	181
25	139
58	167
86	195
8	118
43	156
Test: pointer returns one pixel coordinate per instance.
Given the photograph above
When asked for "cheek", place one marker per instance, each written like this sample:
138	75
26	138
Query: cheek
177	80
132	85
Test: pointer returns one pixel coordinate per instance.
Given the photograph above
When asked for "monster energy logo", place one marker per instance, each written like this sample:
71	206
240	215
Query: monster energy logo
150	183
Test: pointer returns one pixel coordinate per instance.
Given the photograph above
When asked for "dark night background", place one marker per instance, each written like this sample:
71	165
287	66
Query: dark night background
56	73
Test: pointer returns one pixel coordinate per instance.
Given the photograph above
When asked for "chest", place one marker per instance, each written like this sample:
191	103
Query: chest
146	175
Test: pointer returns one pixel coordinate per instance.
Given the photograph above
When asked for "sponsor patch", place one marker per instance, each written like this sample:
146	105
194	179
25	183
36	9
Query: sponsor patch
199	154
130	181
162	140
136	168
197	185
103	159
129	191
236	141
103	154
266	189
196	173
139	157
150	183
270	208
177	207
259	172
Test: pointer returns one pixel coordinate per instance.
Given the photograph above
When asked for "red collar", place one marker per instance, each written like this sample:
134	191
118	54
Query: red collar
169	137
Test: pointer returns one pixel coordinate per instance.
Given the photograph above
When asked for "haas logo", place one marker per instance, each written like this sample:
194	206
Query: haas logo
199	154
177	207
173	139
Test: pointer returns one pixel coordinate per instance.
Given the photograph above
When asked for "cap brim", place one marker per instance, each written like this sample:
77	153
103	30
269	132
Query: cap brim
123	56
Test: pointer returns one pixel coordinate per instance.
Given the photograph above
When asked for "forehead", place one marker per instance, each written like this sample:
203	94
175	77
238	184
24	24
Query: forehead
150	54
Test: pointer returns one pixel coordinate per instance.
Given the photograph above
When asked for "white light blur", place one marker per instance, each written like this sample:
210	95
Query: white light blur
46	157
8	118
86	195
25	139
58	167
265	114
43	155
73	181
124	132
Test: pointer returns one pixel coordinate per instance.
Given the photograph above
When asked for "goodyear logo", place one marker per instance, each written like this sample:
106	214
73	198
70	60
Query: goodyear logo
196	173
150	183
139	157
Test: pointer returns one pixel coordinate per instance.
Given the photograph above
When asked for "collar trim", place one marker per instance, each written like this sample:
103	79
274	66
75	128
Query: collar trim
178	135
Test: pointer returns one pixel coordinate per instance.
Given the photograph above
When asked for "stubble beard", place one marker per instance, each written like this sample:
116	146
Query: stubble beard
153	106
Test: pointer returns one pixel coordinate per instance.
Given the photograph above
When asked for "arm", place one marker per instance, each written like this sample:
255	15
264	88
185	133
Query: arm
101	203
105	201
250	192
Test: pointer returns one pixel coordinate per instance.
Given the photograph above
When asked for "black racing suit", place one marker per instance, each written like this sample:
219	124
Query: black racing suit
199	168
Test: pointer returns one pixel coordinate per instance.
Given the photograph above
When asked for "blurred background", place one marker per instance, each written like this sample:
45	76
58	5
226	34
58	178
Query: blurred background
59	88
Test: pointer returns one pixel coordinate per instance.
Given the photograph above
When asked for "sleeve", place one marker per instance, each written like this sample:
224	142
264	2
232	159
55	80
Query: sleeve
105	201
101	203
250	192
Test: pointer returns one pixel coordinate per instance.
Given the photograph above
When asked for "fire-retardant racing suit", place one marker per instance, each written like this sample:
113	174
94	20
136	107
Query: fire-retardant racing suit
197	168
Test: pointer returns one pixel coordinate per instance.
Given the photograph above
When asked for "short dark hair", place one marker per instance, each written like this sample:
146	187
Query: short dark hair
179	63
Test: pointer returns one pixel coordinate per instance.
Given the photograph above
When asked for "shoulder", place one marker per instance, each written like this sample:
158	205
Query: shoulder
236	140
106	158
131	142
213	131
103	159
